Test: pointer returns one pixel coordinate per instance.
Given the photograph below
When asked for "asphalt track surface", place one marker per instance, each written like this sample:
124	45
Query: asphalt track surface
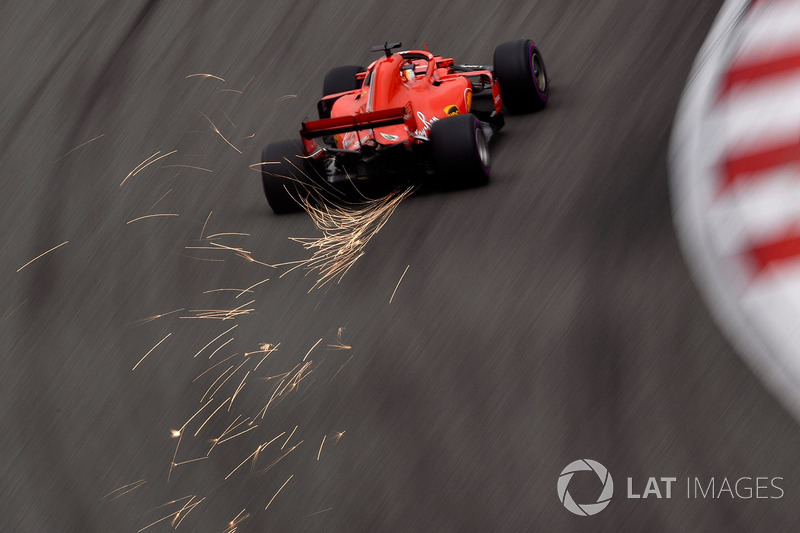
545	318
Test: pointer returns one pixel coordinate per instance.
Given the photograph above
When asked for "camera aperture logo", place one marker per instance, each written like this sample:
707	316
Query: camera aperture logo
585	509
664	487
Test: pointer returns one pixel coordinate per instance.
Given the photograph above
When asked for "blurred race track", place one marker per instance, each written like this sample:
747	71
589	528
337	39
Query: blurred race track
545	318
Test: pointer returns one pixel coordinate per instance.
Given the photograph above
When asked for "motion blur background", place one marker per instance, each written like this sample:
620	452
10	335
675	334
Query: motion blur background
542	319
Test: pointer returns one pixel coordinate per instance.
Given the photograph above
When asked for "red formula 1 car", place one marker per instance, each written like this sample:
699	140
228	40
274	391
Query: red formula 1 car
410	118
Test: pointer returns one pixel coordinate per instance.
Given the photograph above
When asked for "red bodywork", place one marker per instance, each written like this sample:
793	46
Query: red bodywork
391	109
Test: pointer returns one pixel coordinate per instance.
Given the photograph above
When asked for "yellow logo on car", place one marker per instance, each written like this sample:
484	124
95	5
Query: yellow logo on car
452	110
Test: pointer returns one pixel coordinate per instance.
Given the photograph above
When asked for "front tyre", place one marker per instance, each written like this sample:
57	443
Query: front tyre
285	176
519	68
460	152
341	79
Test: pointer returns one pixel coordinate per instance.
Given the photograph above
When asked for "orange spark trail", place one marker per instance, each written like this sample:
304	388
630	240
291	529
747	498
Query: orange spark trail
144	164
204	75
220	133
215	338
157	201
188	166
136	483
398	284
153	216
77	147
42	255
320	447
151	350
280	489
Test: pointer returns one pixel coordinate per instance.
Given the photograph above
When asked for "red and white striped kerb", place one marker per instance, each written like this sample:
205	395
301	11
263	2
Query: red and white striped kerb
735	172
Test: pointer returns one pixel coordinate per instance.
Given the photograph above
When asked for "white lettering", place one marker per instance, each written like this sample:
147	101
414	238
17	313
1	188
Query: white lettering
669	481
630	490
651	488
748	489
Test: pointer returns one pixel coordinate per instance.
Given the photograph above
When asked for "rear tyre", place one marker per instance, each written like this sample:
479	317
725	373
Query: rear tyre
285	176
520	70
460	152
341	79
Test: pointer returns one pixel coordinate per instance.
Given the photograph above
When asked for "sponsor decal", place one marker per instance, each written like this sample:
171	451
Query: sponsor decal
426	126
389	136
467	99
451	110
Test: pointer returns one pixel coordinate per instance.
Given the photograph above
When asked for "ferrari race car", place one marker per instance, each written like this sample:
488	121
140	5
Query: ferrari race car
410	118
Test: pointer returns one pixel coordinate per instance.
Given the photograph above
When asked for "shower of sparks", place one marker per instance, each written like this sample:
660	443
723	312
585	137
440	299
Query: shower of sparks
241	252
183	427
78	147
125	489
345	233
266	349
253	286
204	75
237	91
339	345
144	164
398	284
188	507
279	459
338	435
206	371
211	416
226	439
216	130
215	338
215	382
188	166
320	447
220	314
233	525
152	216
174	433
221	346
151	351
42	255
280	489
225	380
286	97
312	349
248	137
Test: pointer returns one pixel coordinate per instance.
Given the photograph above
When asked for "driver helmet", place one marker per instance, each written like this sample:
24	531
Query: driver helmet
407	71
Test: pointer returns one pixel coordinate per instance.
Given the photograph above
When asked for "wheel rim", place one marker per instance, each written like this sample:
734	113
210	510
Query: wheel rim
537	71
483	147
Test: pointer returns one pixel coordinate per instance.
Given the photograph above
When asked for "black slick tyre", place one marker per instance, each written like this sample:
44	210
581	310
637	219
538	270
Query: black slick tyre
285	176
341	79
460	152
519	68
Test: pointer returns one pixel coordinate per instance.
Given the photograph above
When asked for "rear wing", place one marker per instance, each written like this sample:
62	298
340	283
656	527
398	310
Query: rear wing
362	121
